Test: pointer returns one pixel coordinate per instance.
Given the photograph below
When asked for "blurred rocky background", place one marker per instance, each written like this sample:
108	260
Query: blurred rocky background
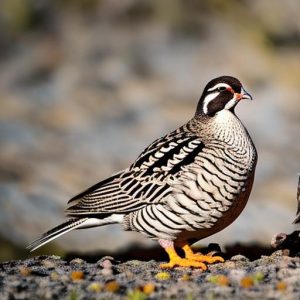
85	85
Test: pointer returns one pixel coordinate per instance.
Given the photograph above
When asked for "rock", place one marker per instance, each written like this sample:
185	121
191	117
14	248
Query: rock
239	257
77	261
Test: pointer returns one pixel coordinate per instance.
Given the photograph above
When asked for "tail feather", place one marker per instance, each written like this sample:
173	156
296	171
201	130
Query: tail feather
56	232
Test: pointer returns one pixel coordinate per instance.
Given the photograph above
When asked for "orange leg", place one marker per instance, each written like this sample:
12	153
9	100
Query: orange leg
176	260
189	254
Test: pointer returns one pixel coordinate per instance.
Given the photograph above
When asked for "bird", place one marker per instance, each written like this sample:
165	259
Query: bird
297	220
185	186
290	242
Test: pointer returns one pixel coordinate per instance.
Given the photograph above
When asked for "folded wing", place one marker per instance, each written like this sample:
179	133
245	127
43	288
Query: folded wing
148	180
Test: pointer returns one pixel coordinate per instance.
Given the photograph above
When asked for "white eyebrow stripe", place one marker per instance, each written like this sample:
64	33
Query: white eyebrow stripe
208	99
219	85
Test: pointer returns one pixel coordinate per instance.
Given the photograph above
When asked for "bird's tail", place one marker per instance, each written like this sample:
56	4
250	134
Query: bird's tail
56	232
75	223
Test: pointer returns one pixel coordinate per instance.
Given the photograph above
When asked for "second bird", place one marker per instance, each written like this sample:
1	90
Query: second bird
185	186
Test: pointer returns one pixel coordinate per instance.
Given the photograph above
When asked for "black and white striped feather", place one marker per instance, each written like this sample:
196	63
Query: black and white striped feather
56	232
148	179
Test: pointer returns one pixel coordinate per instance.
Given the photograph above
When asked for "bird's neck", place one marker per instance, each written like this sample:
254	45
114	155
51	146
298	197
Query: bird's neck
223	126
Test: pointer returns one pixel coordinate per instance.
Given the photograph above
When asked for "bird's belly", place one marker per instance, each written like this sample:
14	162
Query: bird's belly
212	225
210	196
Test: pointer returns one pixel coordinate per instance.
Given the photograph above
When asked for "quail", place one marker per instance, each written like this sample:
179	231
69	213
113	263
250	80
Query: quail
185	186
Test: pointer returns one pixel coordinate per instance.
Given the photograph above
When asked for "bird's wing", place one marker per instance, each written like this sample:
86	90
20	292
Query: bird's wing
146	181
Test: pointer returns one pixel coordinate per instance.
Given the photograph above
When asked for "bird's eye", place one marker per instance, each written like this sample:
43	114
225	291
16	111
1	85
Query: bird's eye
221	88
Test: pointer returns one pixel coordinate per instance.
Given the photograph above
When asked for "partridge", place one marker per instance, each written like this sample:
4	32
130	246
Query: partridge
185	186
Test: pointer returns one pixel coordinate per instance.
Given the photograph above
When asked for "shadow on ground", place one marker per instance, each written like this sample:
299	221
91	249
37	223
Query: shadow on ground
252	252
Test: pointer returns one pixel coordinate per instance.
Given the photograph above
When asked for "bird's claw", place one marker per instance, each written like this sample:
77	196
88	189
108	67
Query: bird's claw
205	258
183	262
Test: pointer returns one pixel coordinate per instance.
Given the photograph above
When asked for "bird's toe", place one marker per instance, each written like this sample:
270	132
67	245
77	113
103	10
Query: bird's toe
183	262
206	258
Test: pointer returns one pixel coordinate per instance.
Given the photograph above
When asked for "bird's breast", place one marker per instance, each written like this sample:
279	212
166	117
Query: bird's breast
218	183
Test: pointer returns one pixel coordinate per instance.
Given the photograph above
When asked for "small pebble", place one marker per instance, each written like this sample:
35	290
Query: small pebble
162	276
136	294
77	261
103	259
247	282
106	264
281	286
95	287
135	262
185	277
77	275
55	257
48	264
239	257
277	253
286	252
107	272
258	277
237	275
219	279
229	265
112	286
25	271
54	276
129	275
148	288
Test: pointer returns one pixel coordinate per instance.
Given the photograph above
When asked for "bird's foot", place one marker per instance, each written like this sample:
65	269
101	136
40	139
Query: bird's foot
199	257
205	258
176	260
183	262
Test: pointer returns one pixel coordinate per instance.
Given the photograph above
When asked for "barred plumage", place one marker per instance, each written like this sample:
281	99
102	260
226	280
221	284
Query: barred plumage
185	186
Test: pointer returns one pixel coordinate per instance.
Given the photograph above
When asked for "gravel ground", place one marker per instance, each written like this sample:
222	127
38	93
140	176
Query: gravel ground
50	277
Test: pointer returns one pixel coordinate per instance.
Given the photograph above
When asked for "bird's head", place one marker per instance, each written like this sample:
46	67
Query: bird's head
221	93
